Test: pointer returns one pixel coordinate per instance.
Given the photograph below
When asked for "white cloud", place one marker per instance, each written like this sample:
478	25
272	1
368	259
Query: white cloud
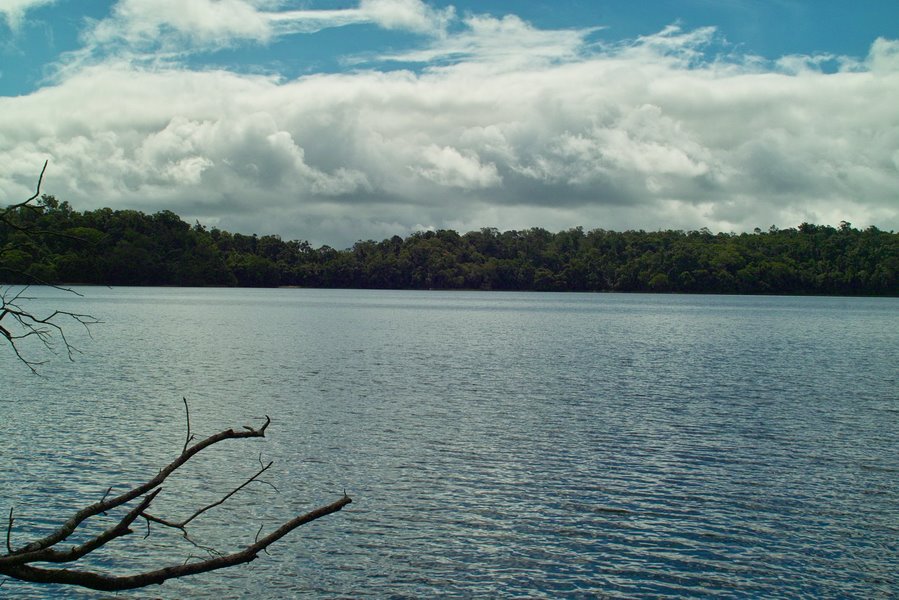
157	28
533	128
408	15
508	41
672	42
884	56
448	167
142	23
411	15
13	11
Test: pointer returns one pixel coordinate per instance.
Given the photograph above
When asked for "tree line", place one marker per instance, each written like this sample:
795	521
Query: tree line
128	247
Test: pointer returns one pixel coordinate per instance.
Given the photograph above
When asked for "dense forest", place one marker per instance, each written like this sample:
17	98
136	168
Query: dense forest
127	247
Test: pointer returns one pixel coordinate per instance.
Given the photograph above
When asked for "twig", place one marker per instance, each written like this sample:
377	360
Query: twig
9	531
182	524
256	539
106	495
24	204
44	328
33	325
268	483
37	191
189	437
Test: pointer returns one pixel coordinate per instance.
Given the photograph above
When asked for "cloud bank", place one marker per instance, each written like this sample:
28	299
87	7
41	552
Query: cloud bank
503	125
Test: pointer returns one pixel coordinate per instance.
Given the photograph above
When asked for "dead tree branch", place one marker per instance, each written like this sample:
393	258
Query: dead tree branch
25	203
9	530
7	214
22	323
28	324
182	525
19	563
18	323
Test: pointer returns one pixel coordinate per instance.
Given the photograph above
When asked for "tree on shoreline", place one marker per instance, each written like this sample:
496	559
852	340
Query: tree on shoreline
128	247
27	562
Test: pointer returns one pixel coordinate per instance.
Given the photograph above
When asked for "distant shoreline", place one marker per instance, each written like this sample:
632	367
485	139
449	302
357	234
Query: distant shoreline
459	290
127	247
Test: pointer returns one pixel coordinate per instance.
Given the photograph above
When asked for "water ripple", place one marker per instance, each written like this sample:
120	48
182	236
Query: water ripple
495	445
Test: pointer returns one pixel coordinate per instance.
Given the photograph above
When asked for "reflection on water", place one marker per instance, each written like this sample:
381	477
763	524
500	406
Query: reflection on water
495	445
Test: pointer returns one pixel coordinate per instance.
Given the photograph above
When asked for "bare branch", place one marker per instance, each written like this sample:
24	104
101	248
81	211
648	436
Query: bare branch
183	524
44	328
31	325
26	204
37	191
109	583
188	437
76	552
79	517
9	531
18	324
106	495
19	564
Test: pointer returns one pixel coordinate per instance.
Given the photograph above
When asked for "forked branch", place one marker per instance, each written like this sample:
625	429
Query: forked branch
28	324
25	203
19	563
18	323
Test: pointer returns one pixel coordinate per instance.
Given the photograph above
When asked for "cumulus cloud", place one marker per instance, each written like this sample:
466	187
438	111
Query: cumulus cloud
884	56
448	167
541	128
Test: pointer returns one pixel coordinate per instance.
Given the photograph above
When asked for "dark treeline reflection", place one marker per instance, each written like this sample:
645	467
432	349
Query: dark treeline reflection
127	247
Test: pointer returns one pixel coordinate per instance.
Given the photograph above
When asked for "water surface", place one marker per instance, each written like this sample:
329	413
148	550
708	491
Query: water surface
494	444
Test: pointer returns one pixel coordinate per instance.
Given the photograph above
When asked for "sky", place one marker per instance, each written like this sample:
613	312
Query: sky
344	120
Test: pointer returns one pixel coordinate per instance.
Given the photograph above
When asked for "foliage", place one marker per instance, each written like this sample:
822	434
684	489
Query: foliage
128	247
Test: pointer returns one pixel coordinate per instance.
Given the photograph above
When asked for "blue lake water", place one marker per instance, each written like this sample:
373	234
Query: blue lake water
494	444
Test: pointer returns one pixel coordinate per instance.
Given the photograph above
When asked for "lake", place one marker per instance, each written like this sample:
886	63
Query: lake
494	444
